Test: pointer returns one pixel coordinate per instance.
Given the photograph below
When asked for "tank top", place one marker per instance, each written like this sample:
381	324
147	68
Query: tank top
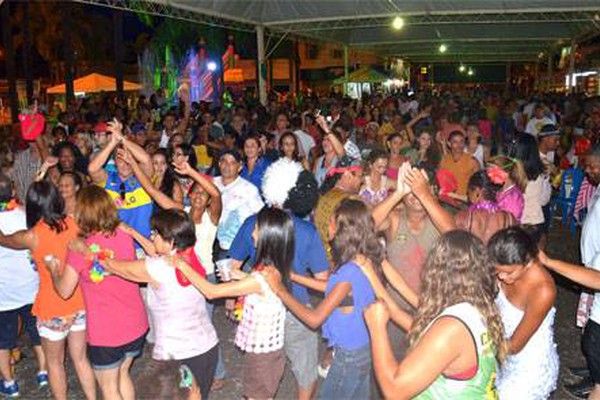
263	319
532	373
483	384
408	252
48	304
206	232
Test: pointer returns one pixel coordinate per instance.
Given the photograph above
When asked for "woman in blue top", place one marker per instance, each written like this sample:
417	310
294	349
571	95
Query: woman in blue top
255	163
347	293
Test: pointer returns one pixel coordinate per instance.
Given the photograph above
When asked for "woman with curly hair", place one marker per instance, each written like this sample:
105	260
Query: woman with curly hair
456	336
347	293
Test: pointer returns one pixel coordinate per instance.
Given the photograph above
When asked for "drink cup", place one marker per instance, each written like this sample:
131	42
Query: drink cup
224	269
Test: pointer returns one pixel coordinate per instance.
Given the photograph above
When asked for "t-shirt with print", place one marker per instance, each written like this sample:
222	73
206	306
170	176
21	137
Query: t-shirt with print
134	204
240	200
182	326
114	308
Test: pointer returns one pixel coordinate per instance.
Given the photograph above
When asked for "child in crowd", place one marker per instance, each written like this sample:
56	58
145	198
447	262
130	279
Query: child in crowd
347	294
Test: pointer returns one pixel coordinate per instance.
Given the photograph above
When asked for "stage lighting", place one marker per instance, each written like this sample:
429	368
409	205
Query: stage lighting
398	23
212	66
443	48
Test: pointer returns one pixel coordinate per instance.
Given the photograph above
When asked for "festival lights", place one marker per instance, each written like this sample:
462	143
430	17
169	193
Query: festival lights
398	23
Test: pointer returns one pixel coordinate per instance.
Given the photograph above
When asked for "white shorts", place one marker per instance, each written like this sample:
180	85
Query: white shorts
59	328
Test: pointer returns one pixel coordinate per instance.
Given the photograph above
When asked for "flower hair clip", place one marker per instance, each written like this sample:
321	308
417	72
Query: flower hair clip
496	174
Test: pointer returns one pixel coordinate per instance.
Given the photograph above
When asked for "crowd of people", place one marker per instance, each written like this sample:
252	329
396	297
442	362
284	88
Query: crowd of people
408	233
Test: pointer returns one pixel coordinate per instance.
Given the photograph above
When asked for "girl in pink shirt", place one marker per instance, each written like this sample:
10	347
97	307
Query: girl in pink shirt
116	318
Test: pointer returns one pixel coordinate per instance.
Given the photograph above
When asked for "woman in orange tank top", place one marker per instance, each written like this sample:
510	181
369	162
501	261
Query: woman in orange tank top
58	320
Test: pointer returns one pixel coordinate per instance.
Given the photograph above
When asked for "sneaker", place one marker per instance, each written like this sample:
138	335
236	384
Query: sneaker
323	371
9	391
580	390
42	379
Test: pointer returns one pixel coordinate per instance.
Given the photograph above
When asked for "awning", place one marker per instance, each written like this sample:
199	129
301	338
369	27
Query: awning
363	74
94	83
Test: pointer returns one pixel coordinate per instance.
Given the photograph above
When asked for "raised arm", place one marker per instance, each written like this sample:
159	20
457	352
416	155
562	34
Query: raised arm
184	94
215	207
141	156
161	199
338	146
411	124
382	211
96	166
419	183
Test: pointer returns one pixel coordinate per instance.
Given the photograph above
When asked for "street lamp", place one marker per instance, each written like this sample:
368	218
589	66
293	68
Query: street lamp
462	68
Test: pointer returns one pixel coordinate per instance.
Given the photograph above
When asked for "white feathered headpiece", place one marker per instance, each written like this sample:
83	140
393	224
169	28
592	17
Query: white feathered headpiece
280	177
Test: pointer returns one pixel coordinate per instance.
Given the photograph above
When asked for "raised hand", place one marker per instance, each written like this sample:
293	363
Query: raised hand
418	181
50	161
402	188
116	128
183	168
377	314
320	120
125	156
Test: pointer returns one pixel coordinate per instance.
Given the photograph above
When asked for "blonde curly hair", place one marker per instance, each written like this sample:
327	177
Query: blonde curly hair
459	270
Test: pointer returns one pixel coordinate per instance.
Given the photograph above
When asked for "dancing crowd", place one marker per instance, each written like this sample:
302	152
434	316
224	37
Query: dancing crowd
404	234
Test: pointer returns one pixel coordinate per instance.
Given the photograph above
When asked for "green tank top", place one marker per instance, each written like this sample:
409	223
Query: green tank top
483	384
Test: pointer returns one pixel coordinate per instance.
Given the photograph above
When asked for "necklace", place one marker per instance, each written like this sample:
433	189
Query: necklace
485	205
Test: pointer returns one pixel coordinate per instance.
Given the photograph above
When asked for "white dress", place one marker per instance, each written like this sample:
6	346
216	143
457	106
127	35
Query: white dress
532	373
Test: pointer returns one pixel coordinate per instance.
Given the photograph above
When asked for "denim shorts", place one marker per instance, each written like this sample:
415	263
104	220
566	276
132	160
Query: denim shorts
9	327
349	376
103	358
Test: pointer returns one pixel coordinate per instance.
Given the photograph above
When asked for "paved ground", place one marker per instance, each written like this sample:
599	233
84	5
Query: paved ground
156	381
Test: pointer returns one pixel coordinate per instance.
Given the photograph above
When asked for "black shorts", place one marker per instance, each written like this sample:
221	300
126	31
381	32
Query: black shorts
590	343
203	367
112	357
9	327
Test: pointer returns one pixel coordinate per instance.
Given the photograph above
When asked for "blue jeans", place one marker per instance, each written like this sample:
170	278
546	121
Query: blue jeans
349	376
220	372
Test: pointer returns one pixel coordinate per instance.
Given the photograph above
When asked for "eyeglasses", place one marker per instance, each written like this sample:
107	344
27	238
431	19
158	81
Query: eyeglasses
122	191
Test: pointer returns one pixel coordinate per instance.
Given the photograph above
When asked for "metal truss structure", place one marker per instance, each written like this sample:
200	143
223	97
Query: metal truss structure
472	30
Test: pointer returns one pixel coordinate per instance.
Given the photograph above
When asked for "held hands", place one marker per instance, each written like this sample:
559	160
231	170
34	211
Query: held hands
377	314
273	278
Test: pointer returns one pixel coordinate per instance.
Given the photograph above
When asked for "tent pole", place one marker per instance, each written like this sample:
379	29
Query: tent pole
262	69
345	70
572	66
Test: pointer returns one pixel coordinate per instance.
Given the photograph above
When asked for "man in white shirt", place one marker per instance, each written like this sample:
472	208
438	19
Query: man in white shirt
535	124
19	283
306	142
240	198
590	257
